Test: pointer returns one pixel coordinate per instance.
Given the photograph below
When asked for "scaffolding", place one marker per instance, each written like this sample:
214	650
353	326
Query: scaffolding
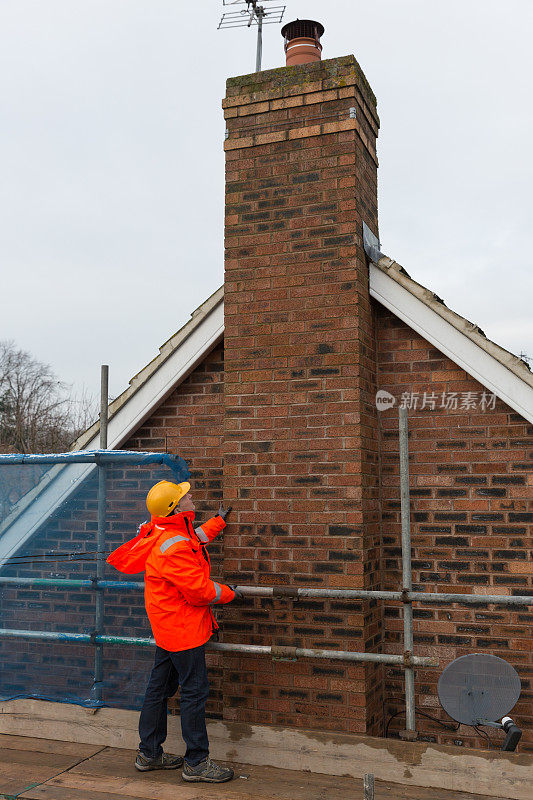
407	660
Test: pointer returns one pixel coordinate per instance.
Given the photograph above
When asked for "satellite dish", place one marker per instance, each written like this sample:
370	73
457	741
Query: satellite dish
478	689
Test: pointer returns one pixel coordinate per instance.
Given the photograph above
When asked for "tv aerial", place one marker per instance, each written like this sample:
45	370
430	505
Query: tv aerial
255	13
481	689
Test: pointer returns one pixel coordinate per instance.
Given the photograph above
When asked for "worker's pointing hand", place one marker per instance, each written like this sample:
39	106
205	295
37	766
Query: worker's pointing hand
223	512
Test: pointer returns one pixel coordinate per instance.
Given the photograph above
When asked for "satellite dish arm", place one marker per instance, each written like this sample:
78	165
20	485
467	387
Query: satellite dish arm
514	733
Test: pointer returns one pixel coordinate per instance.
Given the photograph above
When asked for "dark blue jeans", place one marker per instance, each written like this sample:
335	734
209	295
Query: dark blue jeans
186	669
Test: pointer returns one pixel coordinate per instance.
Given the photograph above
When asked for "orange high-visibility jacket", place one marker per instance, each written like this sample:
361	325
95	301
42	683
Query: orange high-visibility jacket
178	590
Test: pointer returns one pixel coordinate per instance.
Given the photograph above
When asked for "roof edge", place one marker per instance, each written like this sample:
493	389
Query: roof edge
165	351
512	362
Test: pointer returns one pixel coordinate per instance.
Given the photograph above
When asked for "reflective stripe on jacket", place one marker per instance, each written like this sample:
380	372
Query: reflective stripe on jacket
178	589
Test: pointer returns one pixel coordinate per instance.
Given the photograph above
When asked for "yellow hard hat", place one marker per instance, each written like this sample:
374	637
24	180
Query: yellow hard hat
163	498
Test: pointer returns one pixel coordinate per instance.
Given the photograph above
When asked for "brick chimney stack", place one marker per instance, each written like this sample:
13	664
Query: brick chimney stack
300	451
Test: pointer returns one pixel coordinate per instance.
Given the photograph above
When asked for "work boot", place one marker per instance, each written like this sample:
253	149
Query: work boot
206	771
164	761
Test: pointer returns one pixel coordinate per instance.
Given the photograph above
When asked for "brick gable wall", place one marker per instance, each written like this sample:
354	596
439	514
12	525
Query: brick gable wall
472	515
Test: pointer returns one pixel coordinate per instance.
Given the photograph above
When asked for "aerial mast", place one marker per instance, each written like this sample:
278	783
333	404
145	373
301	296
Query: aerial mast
253	14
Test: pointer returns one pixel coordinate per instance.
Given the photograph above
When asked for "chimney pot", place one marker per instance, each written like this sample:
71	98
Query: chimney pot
302	41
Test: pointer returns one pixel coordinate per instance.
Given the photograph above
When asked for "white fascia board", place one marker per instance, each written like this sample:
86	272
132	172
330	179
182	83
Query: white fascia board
38	504
449	340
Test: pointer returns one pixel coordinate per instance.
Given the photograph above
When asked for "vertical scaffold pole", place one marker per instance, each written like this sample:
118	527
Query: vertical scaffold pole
369	787
406	569
100	542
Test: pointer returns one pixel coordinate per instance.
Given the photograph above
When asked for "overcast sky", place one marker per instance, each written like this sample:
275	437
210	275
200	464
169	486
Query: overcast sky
111	163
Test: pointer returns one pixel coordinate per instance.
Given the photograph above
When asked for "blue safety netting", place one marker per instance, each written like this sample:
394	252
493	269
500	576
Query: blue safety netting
48	531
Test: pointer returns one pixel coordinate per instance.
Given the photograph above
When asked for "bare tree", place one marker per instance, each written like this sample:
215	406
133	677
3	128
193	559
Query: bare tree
36	413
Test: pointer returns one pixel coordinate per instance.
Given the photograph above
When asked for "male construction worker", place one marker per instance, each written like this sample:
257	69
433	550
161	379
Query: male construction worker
178	594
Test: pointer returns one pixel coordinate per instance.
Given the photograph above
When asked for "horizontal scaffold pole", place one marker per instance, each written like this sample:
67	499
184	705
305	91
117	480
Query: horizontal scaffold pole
101	456
250	649
335	655
72	583
471	599
287	592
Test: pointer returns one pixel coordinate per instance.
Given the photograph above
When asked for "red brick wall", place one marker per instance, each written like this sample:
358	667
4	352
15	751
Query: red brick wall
471	523
300	430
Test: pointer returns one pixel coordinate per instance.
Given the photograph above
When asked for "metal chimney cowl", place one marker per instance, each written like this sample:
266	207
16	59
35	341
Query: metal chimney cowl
302	41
